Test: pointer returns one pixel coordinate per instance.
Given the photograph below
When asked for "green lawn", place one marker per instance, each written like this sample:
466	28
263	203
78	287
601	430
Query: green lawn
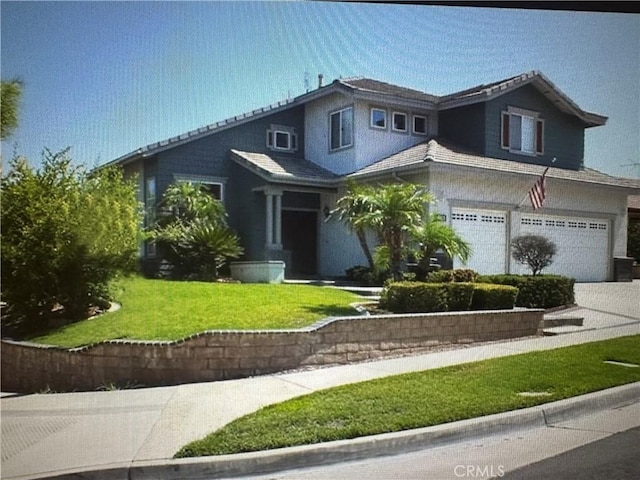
427	398
165	310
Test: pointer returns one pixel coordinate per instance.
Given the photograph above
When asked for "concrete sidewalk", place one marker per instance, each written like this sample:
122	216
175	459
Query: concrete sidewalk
53	434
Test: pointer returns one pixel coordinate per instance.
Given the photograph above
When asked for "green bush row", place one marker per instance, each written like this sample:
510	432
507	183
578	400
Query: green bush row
414	297
540	291
457	275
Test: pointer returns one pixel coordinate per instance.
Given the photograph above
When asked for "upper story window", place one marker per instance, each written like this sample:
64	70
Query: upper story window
378	118
283	139
341	129
522	132
399	122
420	125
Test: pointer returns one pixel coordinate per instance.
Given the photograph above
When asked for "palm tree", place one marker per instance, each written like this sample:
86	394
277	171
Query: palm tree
350	210
432	235
393	211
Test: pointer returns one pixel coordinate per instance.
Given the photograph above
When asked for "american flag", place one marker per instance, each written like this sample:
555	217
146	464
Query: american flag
537	194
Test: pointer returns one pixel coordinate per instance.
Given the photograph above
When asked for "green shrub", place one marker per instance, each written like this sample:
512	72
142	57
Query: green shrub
534	251
366	275
457	275
414	297
540	291
493	297
459	296
65	235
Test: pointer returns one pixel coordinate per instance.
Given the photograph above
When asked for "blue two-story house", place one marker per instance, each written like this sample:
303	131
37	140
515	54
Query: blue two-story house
279	170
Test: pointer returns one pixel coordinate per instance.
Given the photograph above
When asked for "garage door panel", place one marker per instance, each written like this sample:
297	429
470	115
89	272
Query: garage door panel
485	231
582	245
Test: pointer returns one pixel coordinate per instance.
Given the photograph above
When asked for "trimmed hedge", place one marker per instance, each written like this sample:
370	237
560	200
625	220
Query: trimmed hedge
457	275
417	297
414	297
487	296
540	291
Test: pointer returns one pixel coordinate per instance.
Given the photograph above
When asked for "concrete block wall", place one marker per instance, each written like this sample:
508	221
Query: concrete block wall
222	355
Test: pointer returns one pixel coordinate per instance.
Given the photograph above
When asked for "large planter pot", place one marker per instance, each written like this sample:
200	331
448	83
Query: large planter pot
636	271
258	272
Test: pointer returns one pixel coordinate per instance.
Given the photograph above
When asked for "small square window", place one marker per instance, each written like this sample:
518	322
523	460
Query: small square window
399	122
419	125
378	118
282	140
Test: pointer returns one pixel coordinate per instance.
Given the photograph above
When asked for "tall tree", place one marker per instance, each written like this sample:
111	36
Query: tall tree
350	210
10	94
393	211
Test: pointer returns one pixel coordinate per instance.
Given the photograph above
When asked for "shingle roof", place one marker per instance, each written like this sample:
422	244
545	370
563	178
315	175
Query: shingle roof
482	93
383	88
436	151
284	169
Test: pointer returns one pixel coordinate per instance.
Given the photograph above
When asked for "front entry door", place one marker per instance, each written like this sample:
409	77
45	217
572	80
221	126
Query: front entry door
299	238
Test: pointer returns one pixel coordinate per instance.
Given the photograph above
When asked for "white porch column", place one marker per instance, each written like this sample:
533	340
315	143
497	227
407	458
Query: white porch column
278	223
269	218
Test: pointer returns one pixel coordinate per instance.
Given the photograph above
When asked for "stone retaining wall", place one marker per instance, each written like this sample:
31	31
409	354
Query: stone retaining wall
221	355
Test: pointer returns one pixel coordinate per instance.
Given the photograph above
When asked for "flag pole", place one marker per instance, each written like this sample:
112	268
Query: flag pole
528	194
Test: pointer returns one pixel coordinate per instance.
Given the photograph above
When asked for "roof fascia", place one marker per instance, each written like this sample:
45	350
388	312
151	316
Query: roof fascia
546	88
444	166
281	179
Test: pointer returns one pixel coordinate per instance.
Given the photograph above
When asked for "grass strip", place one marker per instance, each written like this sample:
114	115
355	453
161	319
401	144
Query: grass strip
166	310
427	398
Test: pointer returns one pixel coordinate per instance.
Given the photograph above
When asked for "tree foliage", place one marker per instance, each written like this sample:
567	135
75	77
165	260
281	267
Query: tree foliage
10	101
193	234
397	215
66	234
432	235
534	251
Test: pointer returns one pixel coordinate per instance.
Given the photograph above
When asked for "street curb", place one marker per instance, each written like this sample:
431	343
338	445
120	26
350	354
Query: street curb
270	461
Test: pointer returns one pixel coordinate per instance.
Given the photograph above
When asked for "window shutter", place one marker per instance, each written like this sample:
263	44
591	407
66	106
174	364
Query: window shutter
505	130
540	137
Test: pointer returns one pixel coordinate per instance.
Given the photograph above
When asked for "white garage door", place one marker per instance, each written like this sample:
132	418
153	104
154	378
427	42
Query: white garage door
582	243
485	231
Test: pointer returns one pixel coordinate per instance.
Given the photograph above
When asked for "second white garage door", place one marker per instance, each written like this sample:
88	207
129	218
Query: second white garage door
485	231
582	243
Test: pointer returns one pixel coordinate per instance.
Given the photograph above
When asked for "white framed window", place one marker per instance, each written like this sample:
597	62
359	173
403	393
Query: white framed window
399	122
522	131
213	189
341	129
420	125
378	118
282	139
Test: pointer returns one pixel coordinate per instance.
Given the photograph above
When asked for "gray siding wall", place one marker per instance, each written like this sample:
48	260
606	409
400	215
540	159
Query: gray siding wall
563	134
464	126
209	156
478	128
247	211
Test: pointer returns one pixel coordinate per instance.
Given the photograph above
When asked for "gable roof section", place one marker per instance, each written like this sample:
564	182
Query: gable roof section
437	152
376	87
483	93
279	169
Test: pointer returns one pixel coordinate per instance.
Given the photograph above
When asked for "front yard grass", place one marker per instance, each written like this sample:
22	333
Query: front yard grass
427	398
165	310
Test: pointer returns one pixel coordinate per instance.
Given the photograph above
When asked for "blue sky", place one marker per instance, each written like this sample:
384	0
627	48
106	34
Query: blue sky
108	77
